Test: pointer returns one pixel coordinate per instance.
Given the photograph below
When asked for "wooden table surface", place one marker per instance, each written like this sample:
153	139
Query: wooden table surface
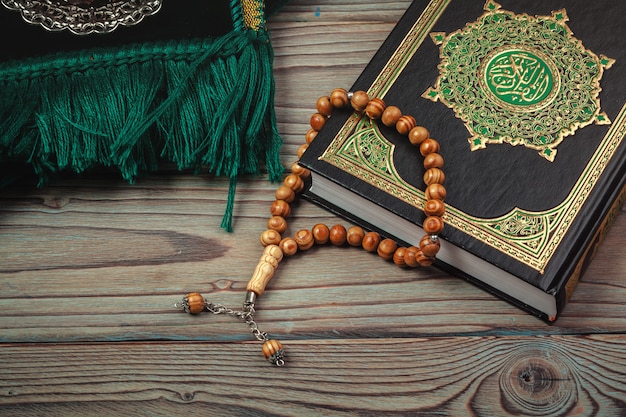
90	269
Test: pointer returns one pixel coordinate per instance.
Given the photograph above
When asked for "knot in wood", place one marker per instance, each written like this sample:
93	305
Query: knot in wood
537	379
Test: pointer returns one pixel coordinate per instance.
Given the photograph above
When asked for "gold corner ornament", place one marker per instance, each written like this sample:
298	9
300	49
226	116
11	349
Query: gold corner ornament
533	87
83	17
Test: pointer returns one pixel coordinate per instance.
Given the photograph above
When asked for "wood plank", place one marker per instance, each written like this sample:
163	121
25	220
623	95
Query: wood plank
526	375
90	268
106	262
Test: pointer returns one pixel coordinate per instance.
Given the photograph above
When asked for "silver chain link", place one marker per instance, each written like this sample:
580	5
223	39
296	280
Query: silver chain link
247	315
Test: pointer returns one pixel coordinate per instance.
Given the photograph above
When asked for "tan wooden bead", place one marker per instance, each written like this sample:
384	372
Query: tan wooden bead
433	225
355	235
386	249
370	241
410	256
280	208
194	303
273	351
434	176
433	160
310	136
424	260
428	246
321	233
359	100
324	106
375	108
317	121
294	182
277	223
418	135
300	171
434	207
270	237
339	98
429	146
405	123
302	149
289	246
285	193
398	257
304	239
435	192
390	116
338	235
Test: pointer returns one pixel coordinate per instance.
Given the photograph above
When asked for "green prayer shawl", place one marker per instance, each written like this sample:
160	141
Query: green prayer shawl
199	95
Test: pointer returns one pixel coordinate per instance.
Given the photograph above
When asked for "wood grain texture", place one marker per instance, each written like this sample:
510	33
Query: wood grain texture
430	376
90	268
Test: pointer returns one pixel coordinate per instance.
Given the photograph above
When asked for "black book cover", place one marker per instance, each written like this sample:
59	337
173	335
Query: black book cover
527	101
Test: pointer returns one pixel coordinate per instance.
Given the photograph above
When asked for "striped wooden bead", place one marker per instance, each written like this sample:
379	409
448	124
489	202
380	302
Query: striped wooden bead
304	239
418	135
410	256
289	246
375	108
386	248
433	160
321	233
277	223
294	182
300	171
273	351
429	246
355	235
435	191
280	208
370	241
338	235
193	303
398	257
285	193
433	225
359	100
270	237
424	260
405	123
434	176
339	98
429	146
317	121
390	116
434	207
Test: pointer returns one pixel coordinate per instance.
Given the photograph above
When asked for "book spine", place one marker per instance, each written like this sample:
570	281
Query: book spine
590	251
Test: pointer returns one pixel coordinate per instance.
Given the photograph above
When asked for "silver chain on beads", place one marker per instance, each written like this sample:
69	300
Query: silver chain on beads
83	17
247	315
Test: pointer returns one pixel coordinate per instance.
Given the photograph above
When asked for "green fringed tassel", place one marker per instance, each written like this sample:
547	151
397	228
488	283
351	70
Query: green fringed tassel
199	103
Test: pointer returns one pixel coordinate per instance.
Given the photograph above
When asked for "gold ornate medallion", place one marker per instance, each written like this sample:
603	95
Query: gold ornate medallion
83	17
519	79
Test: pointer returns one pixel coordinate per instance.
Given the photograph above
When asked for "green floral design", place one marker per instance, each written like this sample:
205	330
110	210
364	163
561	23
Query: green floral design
519	79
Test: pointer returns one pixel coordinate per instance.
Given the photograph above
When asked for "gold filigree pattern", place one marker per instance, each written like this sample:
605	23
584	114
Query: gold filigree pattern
527	236
519	79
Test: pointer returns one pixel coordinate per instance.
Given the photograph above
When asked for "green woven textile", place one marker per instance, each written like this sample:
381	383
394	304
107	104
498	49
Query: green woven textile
201	102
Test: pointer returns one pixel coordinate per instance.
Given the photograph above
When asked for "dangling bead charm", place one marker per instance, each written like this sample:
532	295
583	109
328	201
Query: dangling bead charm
273	351
193	303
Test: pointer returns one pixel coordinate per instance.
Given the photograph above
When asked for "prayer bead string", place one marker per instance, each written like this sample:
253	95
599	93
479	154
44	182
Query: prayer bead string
277	247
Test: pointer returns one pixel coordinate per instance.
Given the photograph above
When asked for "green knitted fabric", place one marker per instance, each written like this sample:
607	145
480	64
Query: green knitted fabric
199	103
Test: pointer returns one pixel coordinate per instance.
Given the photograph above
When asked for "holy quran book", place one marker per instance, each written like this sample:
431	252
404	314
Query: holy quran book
527	99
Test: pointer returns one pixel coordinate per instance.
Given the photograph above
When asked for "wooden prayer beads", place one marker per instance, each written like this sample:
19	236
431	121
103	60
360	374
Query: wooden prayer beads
277	246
